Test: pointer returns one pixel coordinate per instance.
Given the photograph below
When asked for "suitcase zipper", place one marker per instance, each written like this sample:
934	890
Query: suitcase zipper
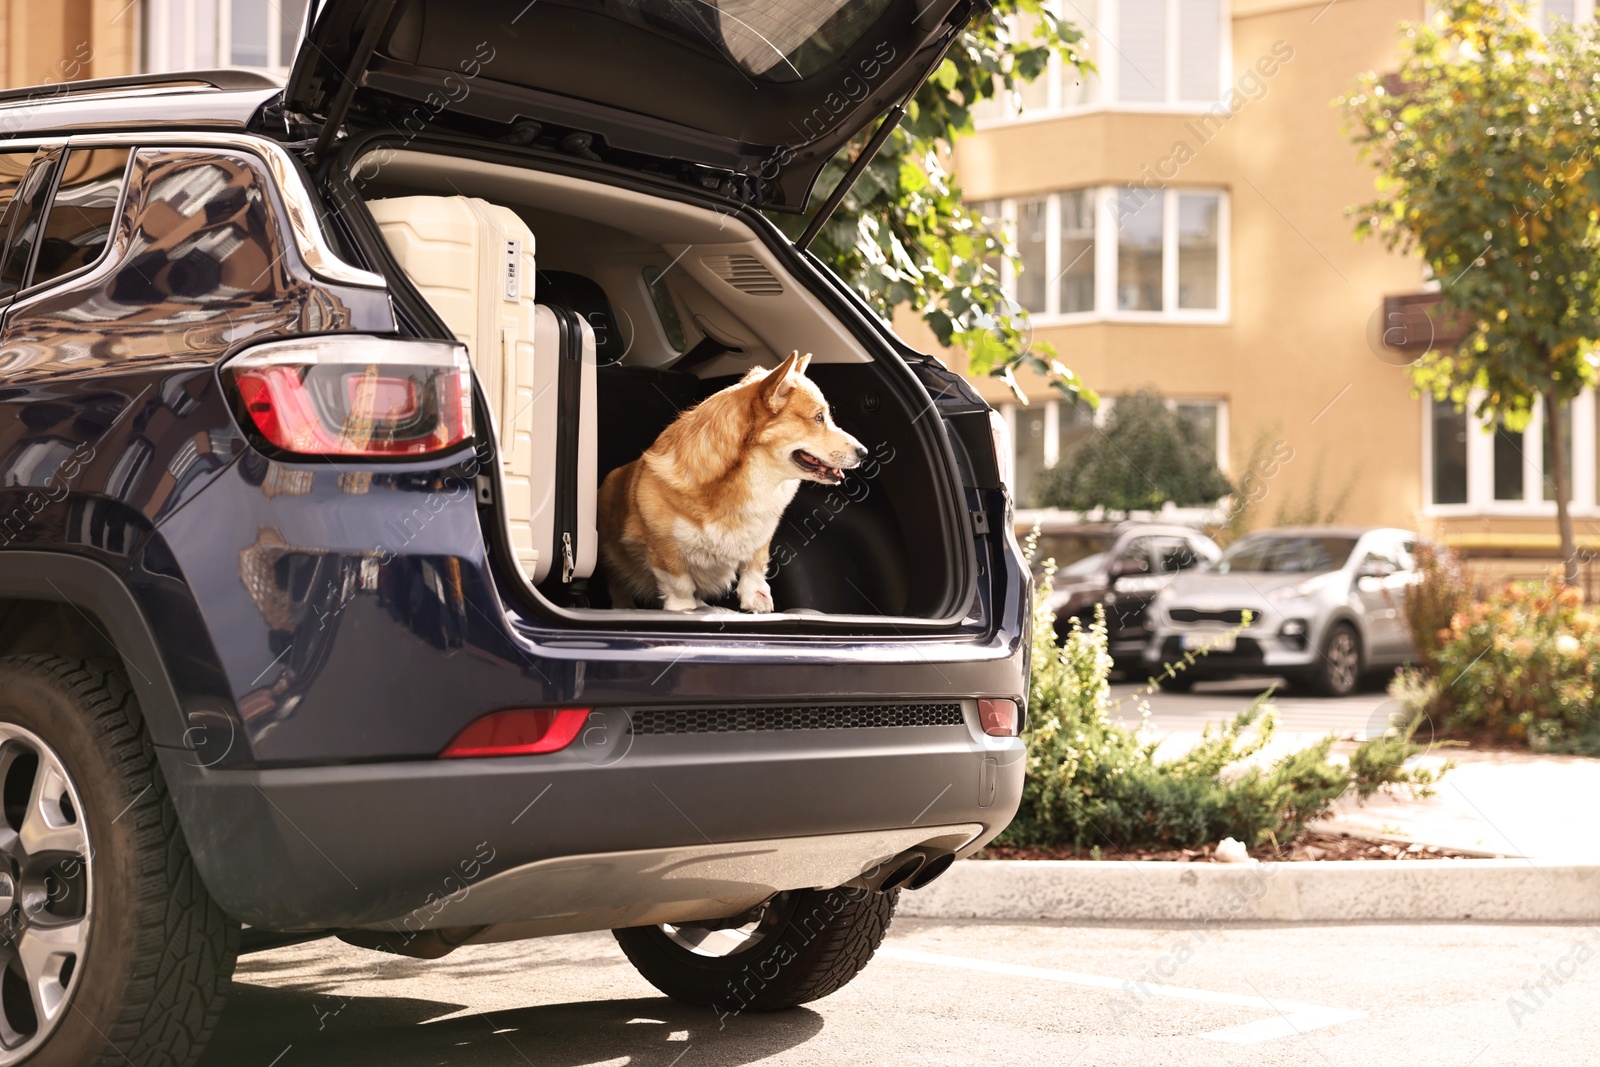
569	403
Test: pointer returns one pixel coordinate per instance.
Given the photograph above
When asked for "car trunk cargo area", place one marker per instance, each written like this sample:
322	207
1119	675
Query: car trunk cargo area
678	301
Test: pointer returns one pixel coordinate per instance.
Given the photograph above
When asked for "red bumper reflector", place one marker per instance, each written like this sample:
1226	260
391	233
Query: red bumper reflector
999	717
523	732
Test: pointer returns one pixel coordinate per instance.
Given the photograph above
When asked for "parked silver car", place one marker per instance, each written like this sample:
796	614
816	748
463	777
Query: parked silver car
1325	604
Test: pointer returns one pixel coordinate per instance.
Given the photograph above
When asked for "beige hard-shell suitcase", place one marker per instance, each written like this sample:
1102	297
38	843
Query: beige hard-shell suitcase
474	263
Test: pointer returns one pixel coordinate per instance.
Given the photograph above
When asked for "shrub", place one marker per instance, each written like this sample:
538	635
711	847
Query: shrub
1144	457
1437	598
1521	666
1092	783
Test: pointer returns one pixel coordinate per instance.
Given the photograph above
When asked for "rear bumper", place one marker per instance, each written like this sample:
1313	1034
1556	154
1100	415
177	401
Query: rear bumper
592	838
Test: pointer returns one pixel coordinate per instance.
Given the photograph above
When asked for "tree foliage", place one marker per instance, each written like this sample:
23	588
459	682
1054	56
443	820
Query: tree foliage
903	237
1145	456
1485	146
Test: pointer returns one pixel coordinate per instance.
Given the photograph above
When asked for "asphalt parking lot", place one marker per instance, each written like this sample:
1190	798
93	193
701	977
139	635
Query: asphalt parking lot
1299	713
941	992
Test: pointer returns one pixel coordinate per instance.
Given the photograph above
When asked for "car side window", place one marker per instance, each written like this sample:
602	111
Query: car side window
1407	553
24	213
82	212
13	165
1382	553
1139	550
1177	555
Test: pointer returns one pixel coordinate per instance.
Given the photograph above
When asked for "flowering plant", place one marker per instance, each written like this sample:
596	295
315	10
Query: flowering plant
1521	666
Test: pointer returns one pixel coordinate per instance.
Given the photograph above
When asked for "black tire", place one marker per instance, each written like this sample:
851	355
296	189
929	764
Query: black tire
806	944
1181	682
157	954
1339	667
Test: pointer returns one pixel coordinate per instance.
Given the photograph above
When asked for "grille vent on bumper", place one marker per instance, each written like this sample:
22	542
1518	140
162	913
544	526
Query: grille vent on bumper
1230	616
808	717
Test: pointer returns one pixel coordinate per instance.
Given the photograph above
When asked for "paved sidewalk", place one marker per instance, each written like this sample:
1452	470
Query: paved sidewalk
1513	804
1499	803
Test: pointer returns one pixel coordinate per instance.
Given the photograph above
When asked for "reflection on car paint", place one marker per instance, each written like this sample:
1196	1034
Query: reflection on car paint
199	262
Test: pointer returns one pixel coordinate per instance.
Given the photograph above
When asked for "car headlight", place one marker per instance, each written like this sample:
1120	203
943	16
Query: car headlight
1300	590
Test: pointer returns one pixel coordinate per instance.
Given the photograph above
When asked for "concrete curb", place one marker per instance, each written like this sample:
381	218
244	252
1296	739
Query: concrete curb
1362	890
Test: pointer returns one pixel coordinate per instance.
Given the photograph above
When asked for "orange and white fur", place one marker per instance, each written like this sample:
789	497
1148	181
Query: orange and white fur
697	511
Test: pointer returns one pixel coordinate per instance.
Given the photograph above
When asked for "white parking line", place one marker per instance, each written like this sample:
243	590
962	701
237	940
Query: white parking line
1288	1017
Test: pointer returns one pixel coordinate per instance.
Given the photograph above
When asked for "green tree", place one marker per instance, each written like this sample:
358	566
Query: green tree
902	235
1484	142
1145	456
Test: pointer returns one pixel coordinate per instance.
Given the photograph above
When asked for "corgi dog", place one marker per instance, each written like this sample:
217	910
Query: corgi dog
696	513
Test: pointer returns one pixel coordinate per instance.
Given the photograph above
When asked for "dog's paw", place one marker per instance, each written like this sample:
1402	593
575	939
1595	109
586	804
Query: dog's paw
756	598
679	603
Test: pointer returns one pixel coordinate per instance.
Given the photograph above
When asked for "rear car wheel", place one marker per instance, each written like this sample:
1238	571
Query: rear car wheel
797	947
1338	670
111	950
1176	683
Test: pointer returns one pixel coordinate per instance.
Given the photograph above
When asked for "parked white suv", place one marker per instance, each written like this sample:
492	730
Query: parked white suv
1325	606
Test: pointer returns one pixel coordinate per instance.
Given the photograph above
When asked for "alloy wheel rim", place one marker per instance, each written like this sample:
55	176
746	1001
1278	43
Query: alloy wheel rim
719	941
1342	658
46	888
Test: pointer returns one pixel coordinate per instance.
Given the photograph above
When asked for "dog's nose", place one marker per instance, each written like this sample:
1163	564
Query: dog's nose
861	454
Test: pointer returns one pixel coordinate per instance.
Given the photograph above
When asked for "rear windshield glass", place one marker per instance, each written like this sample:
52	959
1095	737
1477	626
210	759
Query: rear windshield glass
1286	555
777	40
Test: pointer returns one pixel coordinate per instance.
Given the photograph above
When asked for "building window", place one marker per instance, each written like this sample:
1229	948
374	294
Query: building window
1546	14
1449	455
1048	433
1474	467
1151	54
1140	245
1161	253
1075	290
199	34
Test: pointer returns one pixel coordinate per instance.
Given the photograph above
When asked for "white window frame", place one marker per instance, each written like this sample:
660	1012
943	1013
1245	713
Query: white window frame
1098	21
1480	465
155	41
1104	210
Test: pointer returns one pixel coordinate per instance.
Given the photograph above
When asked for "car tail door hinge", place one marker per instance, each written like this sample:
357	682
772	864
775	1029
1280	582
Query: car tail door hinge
980	522
485	489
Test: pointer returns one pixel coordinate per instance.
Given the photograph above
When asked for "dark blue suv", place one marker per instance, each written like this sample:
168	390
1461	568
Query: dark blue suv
266	680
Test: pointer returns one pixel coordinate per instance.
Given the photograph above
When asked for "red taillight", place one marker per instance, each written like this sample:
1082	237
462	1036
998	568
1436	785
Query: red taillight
999	717
354	395
522	732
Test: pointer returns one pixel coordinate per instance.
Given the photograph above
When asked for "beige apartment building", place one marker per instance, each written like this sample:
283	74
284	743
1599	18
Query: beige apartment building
1182	221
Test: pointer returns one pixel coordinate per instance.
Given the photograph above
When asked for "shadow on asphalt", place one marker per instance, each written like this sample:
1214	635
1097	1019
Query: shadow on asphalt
281	1027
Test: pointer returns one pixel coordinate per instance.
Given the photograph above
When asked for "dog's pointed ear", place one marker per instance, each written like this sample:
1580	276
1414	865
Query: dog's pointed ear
804	362
777	386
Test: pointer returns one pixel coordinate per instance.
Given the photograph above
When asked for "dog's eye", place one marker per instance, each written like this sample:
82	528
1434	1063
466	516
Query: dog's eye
817	418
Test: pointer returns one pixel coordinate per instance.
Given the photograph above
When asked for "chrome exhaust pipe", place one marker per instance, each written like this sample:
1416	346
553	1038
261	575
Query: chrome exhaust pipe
933	868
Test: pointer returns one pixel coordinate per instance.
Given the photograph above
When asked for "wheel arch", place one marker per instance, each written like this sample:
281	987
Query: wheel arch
1351	619
70	605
